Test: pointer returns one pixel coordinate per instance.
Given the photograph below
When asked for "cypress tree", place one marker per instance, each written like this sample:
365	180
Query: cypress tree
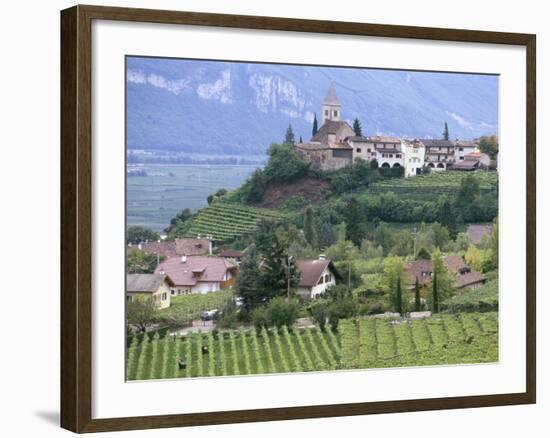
315	127
309	228
435	297
289	136
446	132
357	127
399	296
417	302
356	222
301	141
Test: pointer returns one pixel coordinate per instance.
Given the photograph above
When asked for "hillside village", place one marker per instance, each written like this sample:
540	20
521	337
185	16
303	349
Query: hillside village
366	227
336	144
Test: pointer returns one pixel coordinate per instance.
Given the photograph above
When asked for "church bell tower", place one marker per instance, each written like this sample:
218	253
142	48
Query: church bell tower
331	105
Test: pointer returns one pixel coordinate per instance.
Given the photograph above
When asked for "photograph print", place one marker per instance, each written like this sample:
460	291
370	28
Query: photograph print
295	218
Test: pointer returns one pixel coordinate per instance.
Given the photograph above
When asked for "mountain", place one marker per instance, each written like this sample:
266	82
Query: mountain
234	108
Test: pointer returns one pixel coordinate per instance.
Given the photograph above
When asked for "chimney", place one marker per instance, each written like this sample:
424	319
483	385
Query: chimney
322	257
184	259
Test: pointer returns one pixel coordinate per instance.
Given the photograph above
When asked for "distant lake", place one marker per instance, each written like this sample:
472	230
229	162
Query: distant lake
154	199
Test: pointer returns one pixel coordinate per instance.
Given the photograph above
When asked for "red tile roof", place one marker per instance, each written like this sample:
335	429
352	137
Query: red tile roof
189	271
311	271
422	269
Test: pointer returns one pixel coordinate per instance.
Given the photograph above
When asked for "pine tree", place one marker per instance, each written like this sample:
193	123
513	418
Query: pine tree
357	127
417	302
289	136
247	286
315	127
446	132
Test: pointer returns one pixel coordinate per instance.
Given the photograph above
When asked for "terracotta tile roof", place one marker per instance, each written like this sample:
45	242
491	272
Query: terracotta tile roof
165	248
383	139
339	128
188	271
476	232
311	271
465	143
312	146
431	142
422	269
146	282
192	247
466	165
231	253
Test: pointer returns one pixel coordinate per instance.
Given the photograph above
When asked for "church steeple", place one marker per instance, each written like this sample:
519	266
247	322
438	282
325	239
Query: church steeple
331	105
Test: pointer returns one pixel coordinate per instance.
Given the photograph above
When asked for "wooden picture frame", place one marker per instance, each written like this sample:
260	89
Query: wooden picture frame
76	217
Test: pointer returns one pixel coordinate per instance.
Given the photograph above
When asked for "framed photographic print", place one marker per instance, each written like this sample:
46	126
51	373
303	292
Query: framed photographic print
268	219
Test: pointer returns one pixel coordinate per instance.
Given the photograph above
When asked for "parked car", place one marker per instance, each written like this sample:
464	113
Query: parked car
209	315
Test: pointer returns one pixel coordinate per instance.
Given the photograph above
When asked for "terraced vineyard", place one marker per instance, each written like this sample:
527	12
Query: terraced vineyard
435	183
226	221
360	343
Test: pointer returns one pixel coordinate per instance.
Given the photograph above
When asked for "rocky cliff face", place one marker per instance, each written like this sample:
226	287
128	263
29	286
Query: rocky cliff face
239	108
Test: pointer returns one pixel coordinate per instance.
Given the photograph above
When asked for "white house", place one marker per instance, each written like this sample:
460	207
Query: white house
388	151
463	148
198	274
315	277
413	153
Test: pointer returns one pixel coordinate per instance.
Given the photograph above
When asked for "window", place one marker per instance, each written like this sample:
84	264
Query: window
335	113
328	278
391	155
164	296
326	113
358	150
321	280
397	155
368	150
173	291
129	298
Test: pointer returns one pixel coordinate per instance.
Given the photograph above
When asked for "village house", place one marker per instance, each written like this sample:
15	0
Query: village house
463	148
439	154
149	286
413	152
198	274
465	276
315	277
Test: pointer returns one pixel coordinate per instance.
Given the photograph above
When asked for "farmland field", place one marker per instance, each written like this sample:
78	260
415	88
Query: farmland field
434	183
360	343
152	200
226	221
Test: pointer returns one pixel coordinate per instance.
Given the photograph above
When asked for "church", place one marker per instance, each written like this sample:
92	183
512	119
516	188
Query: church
329	148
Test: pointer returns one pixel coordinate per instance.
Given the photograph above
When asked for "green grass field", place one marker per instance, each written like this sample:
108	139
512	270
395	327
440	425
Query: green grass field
154	199
360	343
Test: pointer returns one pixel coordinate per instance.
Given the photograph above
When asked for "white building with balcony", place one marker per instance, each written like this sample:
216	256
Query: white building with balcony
413	157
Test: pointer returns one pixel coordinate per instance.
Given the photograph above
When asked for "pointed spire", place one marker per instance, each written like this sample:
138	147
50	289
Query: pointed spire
332	98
